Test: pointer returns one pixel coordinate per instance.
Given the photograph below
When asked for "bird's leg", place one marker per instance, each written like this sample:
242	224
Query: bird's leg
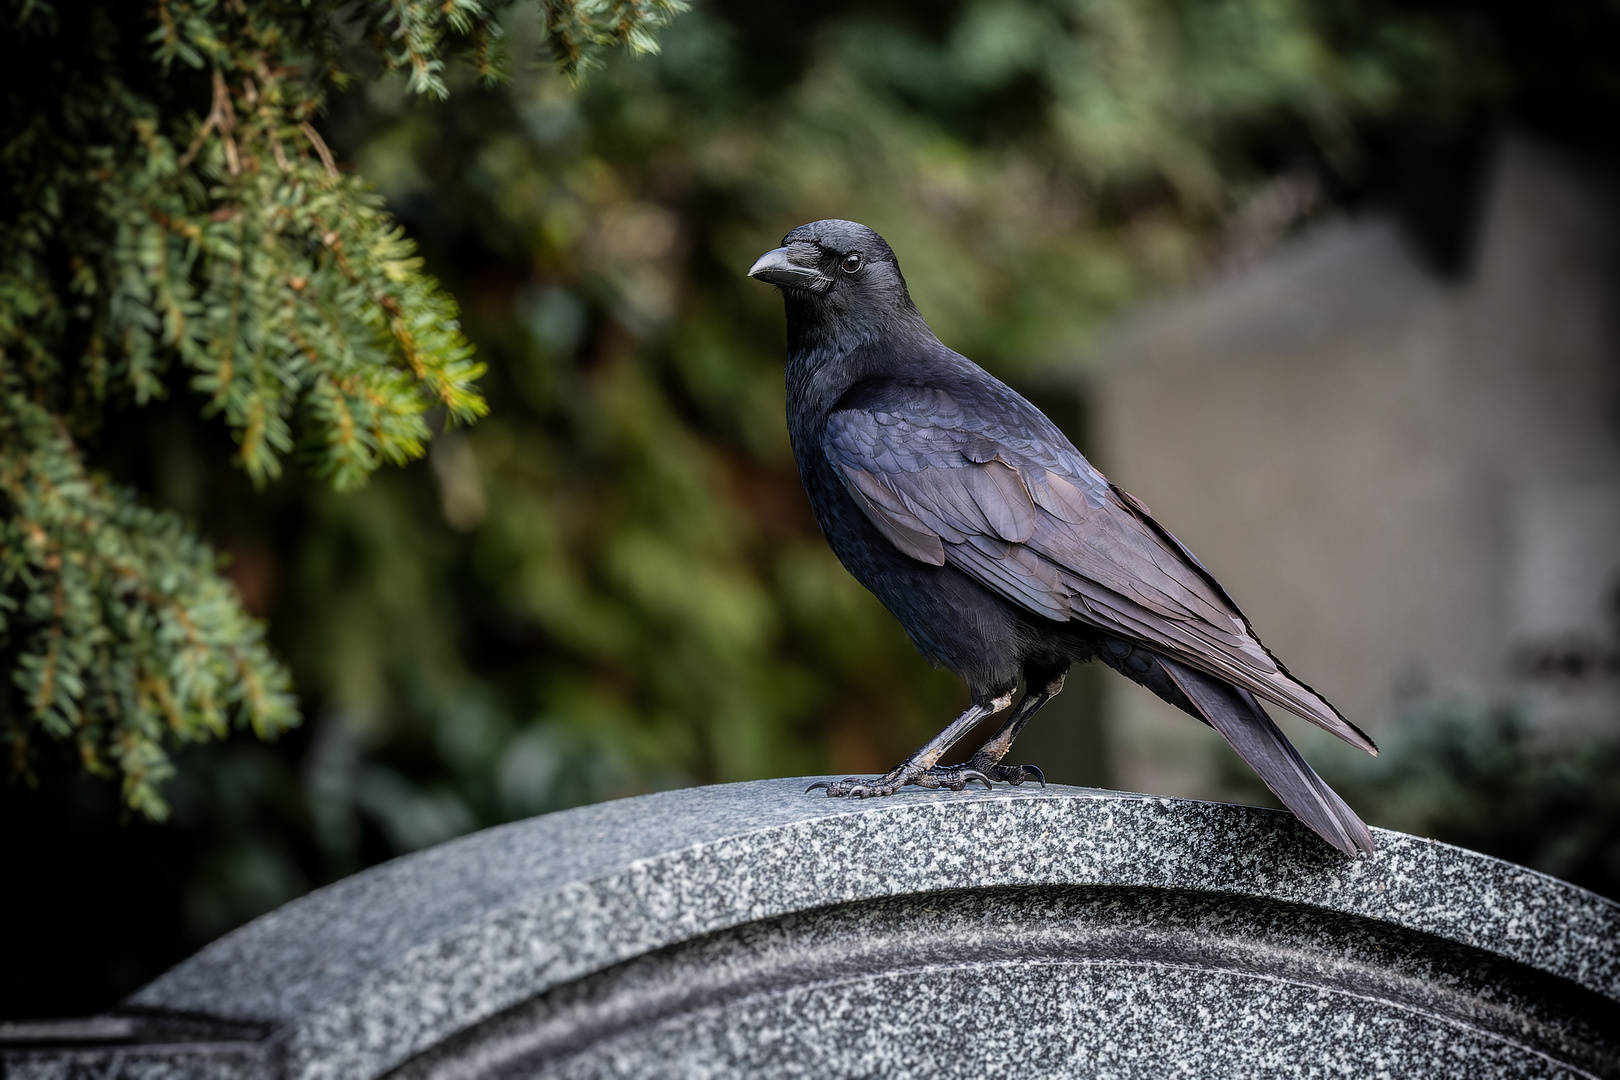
987	761
919	767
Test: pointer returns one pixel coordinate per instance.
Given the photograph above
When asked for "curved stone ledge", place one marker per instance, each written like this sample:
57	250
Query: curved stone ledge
750	927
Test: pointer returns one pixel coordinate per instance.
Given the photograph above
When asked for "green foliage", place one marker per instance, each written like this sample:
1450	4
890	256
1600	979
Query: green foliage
171	216
136	636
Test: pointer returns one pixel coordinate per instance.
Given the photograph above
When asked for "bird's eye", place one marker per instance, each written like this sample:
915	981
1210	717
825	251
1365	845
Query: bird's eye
852	262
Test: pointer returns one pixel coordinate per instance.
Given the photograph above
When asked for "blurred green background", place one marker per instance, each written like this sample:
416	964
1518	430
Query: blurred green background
613	584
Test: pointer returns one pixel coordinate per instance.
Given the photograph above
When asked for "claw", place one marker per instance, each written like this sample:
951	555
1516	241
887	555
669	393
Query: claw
1038	774
971	775
817	784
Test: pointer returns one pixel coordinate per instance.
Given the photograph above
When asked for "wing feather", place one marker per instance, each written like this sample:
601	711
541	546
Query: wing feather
999	494
886	511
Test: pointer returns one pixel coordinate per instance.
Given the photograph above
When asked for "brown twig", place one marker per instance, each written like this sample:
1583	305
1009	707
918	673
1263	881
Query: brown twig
319	144
222	118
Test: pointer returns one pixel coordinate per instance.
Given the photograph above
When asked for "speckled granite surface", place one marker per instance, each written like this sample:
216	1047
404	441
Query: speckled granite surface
1116	1021
1164	929
1068	981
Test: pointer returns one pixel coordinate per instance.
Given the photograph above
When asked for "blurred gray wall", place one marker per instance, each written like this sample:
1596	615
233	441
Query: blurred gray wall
1412	485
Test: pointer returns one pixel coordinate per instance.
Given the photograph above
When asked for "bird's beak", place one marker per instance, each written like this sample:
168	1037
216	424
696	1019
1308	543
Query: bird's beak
778	268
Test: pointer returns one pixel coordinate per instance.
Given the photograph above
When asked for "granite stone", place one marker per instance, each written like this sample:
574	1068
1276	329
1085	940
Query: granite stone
752	929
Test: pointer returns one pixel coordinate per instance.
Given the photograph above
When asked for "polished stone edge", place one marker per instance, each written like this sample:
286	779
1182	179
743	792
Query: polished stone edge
519	925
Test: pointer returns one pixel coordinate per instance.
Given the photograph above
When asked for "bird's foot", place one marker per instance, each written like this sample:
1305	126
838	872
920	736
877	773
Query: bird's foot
955	778
974	766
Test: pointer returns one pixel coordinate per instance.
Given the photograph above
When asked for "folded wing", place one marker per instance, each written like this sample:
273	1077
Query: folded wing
976	477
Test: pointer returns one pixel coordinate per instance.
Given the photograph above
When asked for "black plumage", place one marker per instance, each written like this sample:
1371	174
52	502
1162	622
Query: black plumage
996	544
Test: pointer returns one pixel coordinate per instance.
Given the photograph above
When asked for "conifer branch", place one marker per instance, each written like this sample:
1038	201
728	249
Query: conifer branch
145	250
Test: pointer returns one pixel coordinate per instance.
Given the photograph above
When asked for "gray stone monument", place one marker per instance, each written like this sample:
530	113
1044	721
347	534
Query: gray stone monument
752	930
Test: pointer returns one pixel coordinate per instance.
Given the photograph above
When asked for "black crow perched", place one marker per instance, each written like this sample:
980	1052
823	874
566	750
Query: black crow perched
997	545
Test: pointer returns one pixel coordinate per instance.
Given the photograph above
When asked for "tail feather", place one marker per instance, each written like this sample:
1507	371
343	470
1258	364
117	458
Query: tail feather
1242	721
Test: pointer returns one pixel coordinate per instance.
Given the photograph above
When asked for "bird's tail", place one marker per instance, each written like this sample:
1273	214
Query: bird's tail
1239	718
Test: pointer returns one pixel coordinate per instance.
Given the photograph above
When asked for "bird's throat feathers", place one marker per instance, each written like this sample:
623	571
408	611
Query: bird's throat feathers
840	331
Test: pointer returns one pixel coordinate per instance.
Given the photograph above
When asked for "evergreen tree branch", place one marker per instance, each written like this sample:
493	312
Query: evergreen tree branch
122	634
171	212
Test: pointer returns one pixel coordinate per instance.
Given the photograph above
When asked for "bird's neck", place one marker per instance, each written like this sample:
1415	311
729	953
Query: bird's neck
831	348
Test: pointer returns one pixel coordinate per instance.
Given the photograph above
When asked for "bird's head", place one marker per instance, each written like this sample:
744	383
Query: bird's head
839	279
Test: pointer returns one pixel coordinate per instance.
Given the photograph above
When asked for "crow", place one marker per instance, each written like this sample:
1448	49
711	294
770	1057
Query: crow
999	548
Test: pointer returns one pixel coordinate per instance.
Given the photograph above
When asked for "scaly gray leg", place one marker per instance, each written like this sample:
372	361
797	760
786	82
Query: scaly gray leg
919	767
987	761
